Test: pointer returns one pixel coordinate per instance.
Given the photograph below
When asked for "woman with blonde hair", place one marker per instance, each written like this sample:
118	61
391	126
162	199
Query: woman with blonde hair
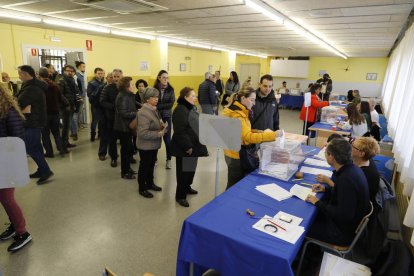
240	105
12	125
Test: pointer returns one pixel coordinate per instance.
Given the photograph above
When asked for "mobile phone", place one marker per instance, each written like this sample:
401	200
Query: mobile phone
285	219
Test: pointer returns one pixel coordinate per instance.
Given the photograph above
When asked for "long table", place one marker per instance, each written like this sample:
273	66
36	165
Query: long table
220	234
323	131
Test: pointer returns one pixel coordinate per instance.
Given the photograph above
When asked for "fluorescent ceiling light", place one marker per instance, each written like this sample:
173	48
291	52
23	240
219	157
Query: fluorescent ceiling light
259	6
199	45
75	25
19	16
290	24
172	40
133	34
220	49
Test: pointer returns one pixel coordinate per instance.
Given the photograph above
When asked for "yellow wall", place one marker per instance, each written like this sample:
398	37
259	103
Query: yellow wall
264	63
358	68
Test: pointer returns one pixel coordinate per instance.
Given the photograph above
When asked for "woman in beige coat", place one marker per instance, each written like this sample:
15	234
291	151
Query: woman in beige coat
150	130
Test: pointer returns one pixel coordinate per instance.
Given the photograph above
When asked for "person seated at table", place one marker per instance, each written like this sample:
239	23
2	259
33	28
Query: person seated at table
356	97
363	108
375	125
346	203
356	122
350	96
185	144
240	105
316	104
283	89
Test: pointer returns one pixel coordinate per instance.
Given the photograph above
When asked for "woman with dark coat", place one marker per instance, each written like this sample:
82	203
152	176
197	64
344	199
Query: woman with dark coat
185	144
125	112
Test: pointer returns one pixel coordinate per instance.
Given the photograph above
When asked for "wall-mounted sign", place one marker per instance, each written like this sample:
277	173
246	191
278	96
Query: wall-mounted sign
143	65
372	76
34	52
89	45
183	67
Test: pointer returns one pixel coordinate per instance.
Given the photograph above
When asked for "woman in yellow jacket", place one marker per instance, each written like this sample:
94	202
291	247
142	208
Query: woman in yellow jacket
240	105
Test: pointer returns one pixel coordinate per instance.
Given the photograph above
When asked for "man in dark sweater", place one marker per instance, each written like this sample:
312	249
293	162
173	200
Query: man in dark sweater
92	91
266	108
207	96
107	101
344	204
54	101
32	101
71	92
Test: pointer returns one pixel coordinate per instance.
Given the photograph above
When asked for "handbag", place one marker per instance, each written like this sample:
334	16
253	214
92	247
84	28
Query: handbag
133	124
249	160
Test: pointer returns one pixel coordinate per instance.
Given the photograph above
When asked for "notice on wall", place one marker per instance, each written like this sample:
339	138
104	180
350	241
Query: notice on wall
143	65
89	45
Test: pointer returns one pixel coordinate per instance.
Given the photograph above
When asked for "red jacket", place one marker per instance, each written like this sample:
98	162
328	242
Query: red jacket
315	104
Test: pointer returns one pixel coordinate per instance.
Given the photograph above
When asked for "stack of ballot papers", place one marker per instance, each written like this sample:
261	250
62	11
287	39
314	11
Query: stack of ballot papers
316	162
276	192
289	232
335	266
315	171
321	154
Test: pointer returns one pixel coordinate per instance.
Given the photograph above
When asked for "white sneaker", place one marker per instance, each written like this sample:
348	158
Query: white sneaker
168	165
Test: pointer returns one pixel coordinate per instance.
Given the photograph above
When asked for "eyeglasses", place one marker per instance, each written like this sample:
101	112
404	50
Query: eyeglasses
351	141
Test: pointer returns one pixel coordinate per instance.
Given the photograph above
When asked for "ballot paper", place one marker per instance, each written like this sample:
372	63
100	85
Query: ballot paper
315	162
321	154
274	191
301	192
315	171
336	266
291	233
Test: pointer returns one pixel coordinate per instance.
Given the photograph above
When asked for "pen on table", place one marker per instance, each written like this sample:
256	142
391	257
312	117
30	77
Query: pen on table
306	184
299	179
276	224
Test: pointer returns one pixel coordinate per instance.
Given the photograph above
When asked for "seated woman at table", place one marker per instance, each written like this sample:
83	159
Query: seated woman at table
356	122
240	105
316	104
346	203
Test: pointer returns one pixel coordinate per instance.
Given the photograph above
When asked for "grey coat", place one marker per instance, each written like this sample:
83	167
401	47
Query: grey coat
148	128
231	87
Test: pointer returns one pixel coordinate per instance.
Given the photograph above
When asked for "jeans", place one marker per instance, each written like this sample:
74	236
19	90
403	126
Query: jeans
185	171
167	137
146	169
74	123
96	118
13	210
104	137
52	125
66	118
35	150
125	139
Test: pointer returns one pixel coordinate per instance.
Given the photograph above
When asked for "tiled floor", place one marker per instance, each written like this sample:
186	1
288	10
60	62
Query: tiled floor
87	217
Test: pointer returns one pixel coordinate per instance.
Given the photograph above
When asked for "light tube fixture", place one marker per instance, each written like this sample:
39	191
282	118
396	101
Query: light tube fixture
172	40
132	34
19	16
197	45
76	25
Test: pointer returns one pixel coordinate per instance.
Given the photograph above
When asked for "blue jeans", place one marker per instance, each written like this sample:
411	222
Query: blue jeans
74	123
34	148
167	137
96	117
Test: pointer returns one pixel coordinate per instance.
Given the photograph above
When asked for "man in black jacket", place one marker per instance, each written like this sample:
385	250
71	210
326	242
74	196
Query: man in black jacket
326	89
207	96
71	92
266	108
32	101
92	91
103	124
107	101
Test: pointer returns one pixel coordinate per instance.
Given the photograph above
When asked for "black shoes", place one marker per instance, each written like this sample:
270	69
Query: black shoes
92	138
19	242
155	188
35	175
132	171
183	202
43	179
8	233
69	145
128	176
192	192
114	163
102	157
146	194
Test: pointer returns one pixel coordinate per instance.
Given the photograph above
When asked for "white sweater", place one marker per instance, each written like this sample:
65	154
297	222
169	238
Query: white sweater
357	130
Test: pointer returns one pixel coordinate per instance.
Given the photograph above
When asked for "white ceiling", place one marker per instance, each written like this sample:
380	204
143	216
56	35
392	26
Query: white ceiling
358	28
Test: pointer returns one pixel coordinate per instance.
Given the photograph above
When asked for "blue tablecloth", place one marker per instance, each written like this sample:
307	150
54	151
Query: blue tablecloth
291	101
220	234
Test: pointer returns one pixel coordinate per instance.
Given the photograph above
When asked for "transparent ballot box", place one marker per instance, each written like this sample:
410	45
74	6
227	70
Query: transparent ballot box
280	159
330	114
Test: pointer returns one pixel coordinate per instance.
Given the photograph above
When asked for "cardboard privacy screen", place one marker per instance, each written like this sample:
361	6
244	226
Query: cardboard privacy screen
221	132
14	171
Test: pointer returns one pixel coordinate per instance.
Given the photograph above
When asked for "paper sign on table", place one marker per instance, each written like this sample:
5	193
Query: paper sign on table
315	162
315	171
291	233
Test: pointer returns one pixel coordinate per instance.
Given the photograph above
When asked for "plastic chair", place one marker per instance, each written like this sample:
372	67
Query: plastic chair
341	251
